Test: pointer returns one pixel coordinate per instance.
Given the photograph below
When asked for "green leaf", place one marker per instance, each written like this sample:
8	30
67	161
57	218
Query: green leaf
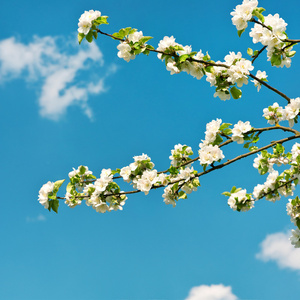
95	34
174	171
82	170
224	126
145	39
182	195
240	32
249	51
206	57
235	92
150	47
127	30
80	37
174	187
253	148
118	35
233	189
183	57
70	187
247	145
226	194
227	131
298	223
55	205
276	60
57	185
133	30
101	20
89	36
291	53
260	9
218	140
257	14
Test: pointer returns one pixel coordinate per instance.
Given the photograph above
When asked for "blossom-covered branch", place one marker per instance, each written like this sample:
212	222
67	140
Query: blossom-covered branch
103	194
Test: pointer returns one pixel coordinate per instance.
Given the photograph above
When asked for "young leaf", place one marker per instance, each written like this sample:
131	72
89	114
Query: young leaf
89	36
80	37
235	92
240	32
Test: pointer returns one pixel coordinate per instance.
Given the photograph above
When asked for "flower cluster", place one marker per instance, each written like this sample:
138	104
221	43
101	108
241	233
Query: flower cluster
86	21
293	209
79	177
275	186
262	76
212	129
275	113
209	154
180	154
142	175
209	151
238	130
243	13
44	192
179	58
239	199
104	194
185	180
132	43
295	238
235	71
273	35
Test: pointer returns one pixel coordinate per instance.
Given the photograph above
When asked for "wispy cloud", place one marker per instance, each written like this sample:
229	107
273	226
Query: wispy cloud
39	218
67	71
211	292
277	247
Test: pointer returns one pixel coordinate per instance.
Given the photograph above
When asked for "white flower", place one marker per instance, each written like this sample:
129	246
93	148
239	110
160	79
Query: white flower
274	114
292	110
141	157
125	173
163	178
239	71
171	66
208	154
86	19
101	207
243	13
100	185
169	197
240	198
232	57
259	75
222	95
124	51
45	190
295	238
258	190
165	44
238	130
135	37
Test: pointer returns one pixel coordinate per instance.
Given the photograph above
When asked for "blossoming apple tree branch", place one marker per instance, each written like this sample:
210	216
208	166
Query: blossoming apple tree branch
227	77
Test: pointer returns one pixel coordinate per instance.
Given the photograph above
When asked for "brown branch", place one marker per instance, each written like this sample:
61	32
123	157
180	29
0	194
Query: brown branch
270	87
259	52
213	168
208	63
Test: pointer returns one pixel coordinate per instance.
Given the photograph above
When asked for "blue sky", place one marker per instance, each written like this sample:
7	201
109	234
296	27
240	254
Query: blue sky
65	105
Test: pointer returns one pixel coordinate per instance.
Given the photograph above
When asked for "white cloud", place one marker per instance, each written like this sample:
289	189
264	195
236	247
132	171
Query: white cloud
47	59
211	292
39	218
277	247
